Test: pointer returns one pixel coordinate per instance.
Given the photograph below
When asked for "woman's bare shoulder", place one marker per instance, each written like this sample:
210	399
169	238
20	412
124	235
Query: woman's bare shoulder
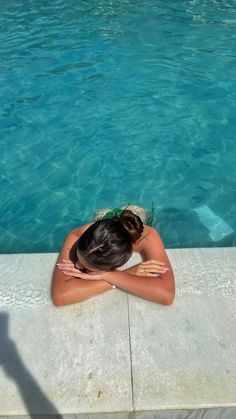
151	245
147	233
68	249
80	230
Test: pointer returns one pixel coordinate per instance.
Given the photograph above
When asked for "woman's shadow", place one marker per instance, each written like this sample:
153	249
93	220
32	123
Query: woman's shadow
34	398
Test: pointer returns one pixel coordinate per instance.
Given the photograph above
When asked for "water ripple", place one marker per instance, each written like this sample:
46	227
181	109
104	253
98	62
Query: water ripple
107	103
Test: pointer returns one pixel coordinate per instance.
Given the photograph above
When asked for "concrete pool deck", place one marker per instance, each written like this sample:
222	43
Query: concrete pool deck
118	353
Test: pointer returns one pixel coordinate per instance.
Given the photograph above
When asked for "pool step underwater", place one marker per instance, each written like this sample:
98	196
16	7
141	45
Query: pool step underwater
218	228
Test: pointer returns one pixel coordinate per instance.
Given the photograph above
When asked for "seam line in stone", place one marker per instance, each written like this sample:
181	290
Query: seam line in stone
130	355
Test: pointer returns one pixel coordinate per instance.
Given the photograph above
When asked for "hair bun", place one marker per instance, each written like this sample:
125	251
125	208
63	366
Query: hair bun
132	223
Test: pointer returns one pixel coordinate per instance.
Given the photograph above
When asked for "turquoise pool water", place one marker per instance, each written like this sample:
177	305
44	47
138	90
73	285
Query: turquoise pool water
109	102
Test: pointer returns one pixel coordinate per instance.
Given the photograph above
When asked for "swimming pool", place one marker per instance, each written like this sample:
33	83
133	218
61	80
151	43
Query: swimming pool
105	103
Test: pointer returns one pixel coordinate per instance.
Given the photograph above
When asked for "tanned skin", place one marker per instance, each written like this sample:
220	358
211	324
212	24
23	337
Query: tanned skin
152	279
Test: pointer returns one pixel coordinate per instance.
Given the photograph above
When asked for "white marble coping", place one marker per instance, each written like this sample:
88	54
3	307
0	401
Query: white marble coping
116	352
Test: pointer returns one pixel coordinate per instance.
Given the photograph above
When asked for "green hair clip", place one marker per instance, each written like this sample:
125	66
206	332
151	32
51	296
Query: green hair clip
113	213
147	216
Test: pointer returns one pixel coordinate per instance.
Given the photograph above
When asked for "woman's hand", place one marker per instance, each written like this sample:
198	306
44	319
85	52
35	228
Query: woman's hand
69	269
151	268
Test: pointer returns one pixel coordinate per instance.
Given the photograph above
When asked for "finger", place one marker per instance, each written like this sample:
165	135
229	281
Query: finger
159	271
65	267
67	273
153	269
64	264
150	274
153	261
143	273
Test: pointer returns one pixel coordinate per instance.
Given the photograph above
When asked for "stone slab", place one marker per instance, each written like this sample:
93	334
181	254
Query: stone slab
184	355
213	413
59	360
76	359
219	413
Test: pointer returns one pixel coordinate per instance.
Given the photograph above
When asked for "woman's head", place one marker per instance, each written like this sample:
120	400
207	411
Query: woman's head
107	244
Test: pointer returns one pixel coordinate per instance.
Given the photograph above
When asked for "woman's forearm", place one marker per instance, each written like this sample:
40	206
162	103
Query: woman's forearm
77	290
152	289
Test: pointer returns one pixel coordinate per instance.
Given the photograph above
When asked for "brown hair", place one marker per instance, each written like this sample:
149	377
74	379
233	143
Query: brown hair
107	244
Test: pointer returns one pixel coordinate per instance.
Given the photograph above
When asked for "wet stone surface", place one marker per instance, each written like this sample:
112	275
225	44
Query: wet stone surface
117	355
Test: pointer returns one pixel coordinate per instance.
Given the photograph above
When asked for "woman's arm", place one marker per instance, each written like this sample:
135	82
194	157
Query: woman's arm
160	289
78	286
67	289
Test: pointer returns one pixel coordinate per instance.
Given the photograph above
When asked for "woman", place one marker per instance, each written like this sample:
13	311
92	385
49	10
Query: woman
88	262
